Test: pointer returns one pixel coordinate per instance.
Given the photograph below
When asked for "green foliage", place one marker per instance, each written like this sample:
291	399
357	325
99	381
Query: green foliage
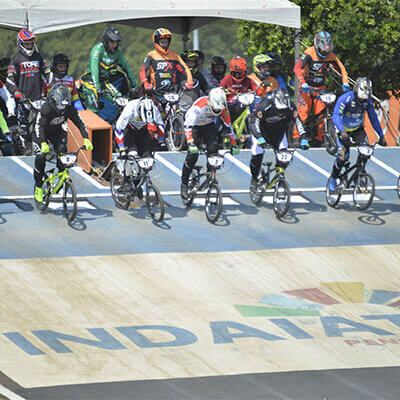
366	34
216	38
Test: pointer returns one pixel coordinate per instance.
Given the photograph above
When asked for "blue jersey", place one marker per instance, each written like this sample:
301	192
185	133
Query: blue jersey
348	114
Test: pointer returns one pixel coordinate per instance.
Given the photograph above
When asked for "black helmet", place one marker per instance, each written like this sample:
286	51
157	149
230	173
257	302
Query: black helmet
111	35
59	59
193	57
276	63
218	60
59	97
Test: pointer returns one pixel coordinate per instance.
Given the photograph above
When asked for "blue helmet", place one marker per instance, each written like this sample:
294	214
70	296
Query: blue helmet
323	44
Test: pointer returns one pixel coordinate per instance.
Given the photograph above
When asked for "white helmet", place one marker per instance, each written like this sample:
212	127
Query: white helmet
217	101
363	89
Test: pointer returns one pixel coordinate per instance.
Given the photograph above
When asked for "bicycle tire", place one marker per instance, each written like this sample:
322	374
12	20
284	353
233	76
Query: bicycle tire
213	203
281	198
363	195
176	134
42	206
70	203
332	198
191	186
154	199
121	199
330	138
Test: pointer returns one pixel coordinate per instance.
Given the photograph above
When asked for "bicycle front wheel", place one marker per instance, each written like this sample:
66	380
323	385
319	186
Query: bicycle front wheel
332	197
155	203
121	197
213	203
364	191
330	138
42	206
281	199
70	204
176	134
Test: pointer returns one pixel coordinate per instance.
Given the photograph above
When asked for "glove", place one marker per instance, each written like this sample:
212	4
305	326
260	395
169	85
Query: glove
382	141
122	151
345	87
235	150
305	88
261	142
147	86
88	144
189	85
304	144
344	136
44	147
193	148
18	96
161	139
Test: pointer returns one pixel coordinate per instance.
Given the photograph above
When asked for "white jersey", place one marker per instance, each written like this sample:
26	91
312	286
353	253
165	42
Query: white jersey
8	99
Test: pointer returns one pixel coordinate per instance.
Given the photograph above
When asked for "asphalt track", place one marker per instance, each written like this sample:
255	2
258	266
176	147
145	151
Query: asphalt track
116	306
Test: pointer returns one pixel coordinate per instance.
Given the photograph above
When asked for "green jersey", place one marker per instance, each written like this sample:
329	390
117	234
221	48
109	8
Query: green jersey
102	64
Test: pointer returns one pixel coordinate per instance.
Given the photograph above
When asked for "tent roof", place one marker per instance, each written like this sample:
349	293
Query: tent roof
180	15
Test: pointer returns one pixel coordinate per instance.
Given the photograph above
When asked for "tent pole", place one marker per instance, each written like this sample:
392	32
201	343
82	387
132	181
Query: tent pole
196	39
297	34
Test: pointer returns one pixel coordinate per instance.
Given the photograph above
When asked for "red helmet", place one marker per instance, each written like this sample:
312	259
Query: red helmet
237	68
24	38
161	33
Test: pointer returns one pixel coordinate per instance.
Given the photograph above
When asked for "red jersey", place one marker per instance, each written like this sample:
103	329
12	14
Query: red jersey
67	80
246	85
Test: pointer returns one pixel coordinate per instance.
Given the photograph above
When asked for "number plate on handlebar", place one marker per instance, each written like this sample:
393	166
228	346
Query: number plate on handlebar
68	159
216	161
366	150
284	156
246	98
171	97
146	163
328	98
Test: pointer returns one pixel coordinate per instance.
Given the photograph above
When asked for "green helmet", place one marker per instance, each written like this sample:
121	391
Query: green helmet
258	61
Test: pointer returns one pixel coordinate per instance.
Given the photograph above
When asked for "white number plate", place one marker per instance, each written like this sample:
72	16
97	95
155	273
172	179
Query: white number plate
328	98
171	97
284	156
366	150
146	163
68	159
215	161
246	98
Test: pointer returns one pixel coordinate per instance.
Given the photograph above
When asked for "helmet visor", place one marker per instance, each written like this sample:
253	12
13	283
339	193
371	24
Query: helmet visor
237	74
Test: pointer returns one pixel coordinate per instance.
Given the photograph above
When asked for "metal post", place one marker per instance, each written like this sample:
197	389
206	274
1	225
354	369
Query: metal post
297	35
196	39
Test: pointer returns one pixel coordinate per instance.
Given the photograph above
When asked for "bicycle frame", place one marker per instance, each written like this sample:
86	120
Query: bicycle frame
359	167
279	173
62	176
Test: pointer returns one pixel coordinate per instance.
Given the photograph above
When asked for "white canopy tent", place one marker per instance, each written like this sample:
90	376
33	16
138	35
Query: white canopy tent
182	16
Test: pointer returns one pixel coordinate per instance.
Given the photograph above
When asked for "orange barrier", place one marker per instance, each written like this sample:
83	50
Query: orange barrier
100	134
389	117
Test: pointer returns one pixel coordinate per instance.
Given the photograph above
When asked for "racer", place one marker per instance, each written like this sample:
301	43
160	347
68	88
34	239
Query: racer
284	81
191	59
26	76
54	113
59	73
9	103
348	118
218	69
262	67
161	66
200	128
311	70
269	124
105	57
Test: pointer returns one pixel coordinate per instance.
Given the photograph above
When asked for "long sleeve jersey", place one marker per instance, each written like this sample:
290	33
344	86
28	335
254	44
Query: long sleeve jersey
162	70
101	64
8	100
348	114
131	116
312	69
199	114
26	76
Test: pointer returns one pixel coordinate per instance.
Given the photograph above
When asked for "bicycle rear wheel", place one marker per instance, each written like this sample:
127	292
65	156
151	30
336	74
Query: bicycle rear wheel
42	206
213	203
121	197
281	198
176	134
155	203
70	204
332	197
364	191
330	138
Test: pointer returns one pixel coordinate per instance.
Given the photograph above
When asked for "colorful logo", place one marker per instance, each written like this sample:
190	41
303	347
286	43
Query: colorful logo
310	302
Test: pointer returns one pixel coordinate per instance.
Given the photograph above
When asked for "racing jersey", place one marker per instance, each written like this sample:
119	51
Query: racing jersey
131	116
199	114
246	85
312	69
348	114
66	80
212	81
102	65
8	100
26	76
270	84
265	116
48	123
161	70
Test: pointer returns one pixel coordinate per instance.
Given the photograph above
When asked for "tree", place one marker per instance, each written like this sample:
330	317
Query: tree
366	35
